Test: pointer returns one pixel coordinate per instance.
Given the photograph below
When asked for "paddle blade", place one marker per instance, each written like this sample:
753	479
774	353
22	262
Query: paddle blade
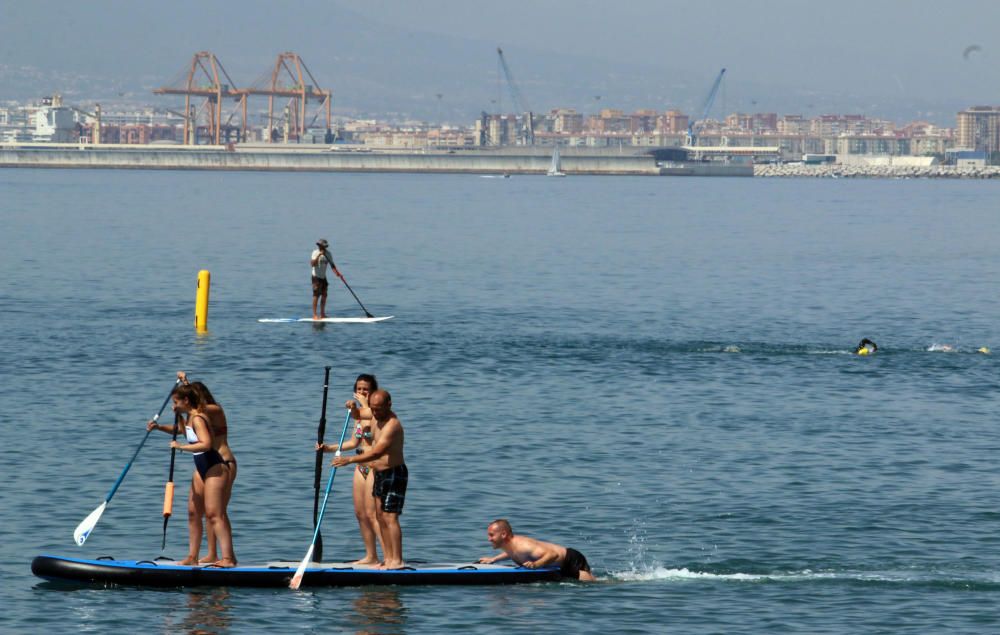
301	571
84	528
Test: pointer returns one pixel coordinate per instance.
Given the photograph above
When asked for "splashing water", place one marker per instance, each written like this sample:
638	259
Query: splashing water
970	580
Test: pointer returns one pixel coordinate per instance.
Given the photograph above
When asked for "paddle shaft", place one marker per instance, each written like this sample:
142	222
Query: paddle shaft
168	494
173	451
320	433
300	571
341	276
128	466
329	483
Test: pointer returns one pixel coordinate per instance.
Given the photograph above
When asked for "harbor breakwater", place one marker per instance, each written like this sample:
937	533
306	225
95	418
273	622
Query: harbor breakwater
876	171
327	159
493	161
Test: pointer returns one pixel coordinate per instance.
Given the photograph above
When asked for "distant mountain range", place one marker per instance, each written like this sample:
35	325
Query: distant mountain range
380	71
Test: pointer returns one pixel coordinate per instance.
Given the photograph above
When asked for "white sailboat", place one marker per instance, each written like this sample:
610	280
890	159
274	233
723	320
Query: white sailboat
556	168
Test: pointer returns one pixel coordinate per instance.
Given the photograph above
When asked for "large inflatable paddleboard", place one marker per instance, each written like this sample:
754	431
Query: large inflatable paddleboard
329	320
167	573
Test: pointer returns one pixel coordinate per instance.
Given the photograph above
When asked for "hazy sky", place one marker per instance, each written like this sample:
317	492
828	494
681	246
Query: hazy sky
894	58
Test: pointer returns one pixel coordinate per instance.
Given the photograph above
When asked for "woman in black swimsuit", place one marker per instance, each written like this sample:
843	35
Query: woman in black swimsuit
220	441
208	483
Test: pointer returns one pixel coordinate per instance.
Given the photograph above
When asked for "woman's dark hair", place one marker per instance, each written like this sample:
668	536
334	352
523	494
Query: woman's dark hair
368	378
206	396
190	393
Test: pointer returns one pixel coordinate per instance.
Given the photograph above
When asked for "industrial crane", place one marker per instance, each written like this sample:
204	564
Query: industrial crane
527	132
695	125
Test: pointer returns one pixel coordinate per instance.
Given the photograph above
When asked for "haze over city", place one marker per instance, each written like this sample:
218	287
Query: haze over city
436	60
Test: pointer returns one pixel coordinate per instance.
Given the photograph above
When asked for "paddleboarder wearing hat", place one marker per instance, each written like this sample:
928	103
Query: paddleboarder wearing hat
320	257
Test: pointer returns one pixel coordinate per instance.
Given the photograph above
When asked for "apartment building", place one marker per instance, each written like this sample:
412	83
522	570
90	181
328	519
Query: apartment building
979	129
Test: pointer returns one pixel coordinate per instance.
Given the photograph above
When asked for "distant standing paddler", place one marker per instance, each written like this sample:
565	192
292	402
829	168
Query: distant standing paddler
866	347
319	259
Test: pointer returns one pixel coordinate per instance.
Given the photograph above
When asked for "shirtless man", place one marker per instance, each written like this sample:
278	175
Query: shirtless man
531	553
386	458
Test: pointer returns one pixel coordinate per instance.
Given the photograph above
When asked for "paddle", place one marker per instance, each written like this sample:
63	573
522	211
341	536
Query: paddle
301	571
341	276
168	493
84	528
319	463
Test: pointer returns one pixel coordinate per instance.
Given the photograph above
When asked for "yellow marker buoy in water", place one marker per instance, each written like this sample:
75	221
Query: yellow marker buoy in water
864	351
984	350
201	301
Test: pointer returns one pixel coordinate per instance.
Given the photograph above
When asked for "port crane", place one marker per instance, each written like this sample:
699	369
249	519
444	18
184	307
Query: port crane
206	78
290	78
695	125
527	132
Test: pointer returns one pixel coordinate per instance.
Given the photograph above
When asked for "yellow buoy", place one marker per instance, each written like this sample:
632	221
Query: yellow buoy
984	350
201	301
864	350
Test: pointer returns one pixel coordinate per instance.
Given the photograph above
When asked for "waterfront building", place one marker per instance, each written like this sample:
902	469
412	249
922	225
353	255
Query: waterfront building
834	125
566	120
674	122
872	144
758	123
134	134
792	125
739	121
979	129
448	137
497	130
53	122
608	120
642	121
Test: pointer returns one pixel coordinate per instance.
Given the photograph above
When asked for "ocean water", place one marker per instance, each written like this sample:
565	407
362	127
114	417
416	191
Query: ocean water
655	371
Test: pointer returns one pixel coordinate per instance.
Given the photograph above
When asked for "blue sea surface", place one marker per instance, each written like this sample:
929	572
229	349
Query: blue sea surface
655	371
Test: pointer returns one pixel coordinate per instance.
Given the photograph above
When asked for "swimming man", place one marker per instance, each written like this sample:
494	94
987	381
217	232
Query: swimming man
531	553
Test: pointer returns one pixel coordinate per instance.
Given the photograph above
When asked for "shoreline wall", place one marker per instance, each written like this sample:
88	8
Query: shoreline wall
578	162
214	159
837	171
574	162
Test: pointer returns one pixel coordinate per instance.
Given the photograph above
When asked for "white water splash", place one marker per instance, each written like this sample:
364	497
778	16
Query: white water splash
662	573
941	348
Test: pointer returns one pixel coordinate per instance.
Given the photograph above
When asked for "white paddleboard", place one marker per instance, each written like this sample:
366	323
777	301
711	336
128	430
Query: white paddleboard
329	320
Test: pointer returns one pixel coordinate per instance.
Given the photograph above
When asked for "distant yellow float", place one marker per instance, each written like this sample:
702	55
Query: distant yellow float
201	301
